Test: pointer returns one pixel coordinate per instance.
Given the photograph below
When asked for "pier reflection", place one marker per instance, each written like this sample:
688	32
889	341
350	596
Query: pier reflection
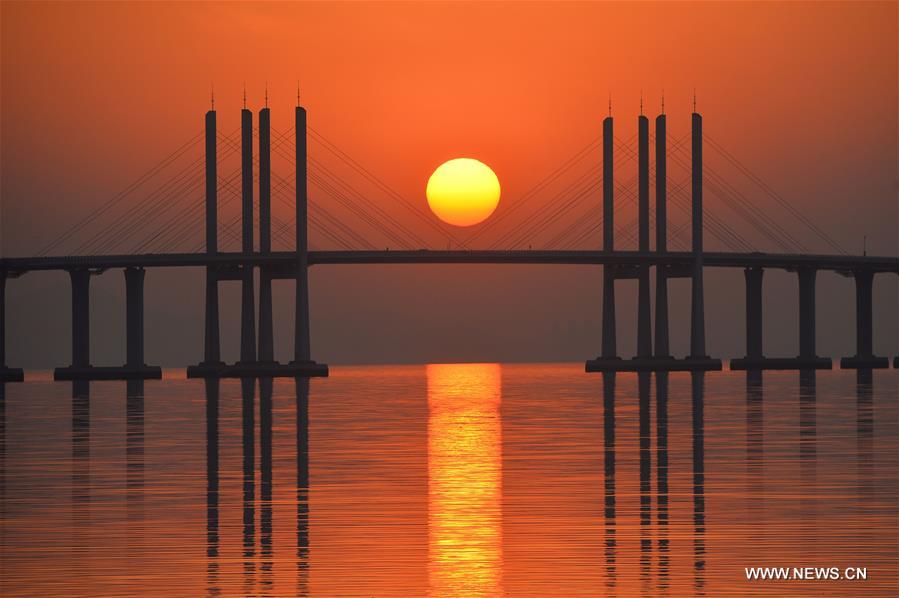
644	380
302	392
2	456
864	431
465	480
699	548
662	477
134	464
808	455
248	404
608	399
266	565
212	486
755	456
81	479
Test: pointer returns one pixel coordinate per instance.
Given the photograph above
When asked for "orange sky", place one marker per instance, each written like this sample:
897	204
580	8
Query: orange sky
805	94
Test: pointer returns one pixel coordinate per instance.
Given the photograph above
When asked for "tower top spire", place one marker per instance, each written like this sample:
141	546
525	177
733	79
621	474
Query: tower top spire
610	104
663	101
641	102
245	95
266	94
694	99
212	97
298	93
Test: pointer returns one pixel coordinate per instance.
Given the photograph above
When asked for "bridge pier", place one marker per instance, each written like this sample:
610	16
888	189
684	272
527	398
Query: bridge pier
81	368
609	340
755	360
134	317
754	342
266	325
81	312
212	346
808	358
134	327
864	326
807	312
7	374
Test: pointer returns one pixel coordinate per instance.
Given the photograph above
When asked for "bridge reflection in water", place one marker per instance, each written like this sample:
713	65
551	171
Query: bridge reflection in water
464	480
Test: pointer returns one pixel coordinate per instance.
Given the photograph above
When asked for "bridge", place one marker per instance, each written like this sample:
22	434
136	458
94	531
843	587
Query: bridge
257	353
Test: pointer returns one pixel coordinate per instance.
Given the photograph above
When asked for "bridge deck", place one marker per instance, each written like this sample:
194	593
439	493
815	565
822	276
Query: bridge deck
18	265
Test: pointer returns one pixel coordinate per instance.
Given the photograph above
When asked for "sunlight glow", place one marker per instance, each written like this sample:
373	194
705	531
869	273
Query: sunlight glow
464	480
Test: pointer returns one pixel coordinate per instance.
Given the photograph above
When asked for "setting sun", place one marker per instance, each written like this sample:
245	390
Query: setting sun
463	192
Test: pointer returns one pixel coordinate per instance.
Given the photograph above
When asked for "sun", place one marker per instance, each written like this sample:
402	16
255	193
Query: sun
463	192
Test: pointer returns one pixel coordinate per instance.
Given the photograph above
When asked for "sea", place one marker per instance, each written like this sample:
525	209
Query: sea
453	480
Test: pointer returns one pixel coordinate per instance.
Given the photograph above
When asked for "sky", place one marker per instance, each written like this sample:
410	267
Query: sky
803	94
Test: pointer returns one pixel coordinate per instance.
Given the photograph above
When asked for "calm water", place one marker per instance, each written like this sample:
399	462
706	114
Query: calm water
450	480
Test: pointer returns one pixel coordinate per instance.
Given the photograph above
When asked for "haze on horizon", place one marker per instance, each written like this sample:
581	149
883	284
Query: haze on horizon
94	94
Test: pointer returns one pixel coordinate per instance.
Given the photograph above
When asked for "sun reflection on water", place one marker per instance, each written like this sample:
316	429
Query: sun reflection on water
465	480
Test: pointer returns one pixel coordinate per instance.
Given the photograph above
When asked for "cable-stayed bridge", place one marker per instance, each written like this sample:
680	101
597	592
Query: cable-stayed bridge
160	219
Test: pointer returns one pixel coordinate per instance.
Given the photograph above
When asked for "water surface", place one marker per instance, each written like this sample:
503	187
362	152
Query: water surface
450	480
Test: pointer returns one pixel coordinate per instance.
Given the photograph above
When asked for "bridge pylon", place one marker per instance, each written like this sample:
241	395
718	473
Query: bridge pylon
646	360
257	352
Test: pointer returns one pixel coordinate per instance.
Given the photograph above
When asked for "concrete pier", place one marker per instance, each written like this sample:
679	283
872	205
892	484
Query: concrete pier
864	326
134	317
754	344
755	359
134	367
81	313
807	358
807	312
7	374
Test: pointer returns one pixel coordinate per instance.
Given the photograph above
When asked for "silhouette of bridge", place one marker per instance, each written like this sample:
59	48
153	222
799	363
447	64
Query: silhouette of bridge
168	225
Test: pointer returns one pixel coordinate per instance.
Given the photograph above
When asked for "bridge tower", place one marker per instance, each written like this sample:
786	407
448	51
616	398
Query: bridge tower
698	356
609	348
212	351
645	360
662	350
256	354
247	307
266	326
697	313
644	319
301	332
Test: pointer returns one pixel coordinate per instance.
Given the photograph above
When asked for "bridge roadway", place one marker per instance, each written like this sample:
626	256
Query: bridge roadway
284	259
